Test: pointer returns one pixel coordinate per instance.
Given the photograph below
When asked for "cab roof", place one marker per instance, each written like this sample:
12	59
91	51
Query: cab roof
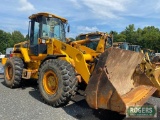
92	33
46	14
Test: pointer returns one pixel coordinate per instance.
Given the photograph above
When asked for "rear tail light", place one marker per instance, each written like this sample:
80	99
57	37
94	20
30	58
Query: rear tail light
11	55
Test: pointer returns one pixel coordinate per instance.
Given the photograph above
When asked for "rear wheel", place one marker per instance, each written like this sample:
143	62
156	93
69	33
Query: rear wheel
13	72
57	82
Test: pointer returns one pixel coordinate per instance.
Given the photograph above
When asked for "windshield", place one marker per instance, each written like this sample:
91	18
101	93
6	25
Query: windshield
90	37
94	39
9	50
124	46
53	28
135	48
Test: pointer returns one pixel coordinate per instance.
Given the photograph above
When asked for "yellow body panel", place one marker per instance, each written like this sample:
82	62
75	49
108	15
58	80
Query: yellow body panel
49	46
152	71
76	55
100	47
4	61
38	58
24	52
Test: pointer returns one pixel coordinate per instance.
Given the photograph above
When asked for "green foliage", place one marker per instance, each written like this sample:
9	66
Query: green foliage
77	37
9	39
148	37
121	38
72	39
17	36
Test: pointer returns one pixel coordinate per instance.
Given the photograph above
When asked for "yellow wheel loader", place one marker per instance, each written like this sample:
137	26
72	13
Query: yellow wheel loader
59	66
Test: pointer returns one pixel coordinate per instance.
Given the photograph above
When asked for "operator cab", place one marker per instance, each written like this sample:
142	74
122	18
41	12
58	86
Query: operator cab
45	26
136	48
94	38
124	46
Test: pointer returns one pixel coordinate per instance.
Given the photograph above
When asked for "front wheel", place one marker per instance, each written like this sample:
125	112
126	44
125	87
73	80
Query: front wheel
13	72
57	82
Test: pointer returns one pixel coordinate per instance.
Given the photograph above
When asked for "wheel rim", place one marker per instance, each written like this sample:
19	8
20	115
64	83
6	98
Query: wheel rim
50	82
9	72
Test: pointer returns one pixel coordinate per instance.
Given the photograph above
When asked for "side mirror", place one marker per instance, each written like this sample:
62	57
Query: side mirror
112	38
68	28
112	32
29	26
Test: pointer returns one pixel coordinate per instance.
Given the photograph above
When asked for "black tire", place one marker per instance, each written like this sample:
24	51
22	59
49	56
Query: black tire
67	82
15	65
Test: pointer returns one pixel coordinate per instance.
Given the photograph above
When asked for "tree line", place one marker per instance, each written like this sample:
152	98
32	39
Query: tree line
9	39
147	37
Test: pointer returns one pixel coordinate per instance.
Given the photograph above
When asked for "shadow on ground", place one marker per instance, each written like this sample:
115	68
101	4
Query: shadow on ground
29	84
79	109
91	113
25	84
84	112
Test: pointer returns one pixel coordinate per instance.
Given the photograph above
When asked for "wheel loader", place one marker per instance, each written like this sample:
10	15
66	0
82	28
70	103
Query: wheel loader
137	48
113	76
127	46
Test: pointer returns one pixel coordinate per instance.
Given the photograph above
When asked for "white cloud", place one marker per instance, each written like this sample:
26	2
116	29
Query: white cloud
25	6
81	29
81	10
157	6
87	29
113	5
76	3
119	9
142	9
84	15
106	8
11	24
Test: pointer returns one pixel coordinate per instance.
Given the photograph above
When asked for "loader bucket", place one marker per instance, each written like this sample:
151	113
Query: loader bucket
113	84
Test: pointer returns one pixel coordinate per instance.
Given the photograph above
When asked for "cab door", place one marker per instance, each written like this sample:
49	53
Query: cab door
36	48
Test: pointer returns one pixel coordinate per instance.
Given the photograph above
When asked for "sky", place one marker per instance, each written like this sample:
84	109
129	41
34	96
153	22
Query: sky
83	15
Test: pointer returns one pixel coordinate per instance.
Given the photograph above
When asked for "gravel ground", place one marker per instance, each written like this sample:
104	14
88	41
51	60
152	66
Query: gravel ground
25	104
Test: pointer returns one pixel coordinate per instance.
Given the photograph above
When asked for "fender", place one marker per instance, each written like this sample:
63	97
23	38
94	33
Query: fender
52	57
